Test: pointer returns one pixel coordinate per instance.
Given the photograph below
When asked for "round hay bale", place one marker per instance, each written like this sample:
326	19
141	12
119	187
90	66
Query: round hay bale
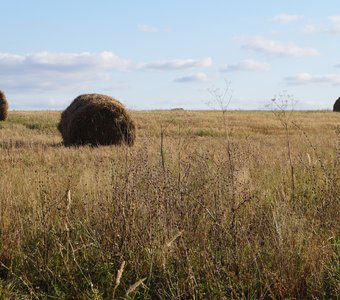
96	119
336	106
3	106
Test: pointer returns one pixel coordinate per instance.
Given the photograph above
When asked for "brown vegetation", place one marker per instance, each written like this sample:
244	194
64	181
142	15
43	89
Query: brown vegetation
96	119
187	213
3	106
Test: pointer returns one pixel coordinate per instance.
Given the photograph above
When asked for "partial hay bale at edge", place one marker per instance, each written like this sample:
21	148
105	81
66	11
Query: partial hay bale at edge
3	106
96	119
336	106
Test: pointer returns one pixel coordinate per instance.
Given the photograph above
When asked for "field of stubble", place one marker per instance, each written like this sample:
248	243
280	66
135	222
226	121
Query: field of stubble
205	205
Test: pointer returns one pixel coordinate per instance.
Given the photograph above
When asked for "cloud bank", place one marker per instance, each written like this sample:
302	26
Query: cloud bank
45	71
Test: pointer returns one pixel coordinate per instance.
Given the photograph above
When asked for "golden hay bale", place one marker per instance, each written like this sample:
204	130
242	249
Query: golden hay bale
3	106
336	106
96	119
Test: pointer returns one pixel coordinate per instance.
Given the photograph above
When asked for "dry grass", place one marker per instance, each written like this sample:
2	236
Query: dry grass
186	213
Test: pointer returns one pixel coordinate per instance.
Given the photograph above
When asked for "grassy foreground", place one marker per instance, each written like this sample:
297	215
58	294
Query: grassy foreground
204	206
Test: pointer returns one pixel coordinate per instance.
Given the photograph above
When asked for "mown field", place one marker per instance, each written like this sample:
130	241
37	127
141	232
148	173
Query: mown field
205	205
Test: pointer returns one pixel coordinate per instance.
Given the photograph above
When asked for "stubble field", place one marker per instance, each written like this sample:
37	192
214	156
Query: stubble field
205	205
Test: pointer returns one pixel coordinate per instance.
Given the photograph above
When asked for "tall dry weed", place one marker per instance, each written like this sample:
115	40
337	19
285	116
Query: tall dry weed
201	222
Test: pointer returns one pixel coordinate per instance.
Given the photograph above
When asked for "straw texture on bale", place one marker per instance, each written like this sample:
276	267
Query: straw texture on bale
96	119
3	106
336	106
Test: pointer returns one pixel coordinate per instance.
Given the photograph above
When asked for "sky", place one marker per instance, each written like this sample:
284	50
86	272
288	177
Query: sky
165	54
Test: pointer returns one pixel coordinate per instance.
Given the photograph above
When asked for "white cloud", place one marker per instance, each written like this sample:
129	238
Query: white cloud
334	19
198	77
246	65
335	29
58	72
147	28
10	59
177	64
272	47
46	71
285	18
310	29
80	62
152	29
62	62
306	78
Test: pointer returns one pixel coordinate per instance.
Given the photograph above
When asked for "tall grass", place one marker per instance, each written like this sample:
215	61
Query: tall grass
181	215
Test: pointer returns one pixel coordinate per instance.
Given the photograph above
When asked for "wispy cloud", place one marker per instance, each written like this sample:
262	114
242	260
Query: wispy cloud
307	78
332	28
177	64
334	19
335	29
152	29
246	65
285	18
198	77
272	47
310	29
147	28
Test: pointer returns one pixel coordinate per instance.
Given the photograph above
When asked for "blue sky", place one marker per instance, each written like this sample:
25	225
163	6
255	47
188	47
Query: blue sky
164	54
